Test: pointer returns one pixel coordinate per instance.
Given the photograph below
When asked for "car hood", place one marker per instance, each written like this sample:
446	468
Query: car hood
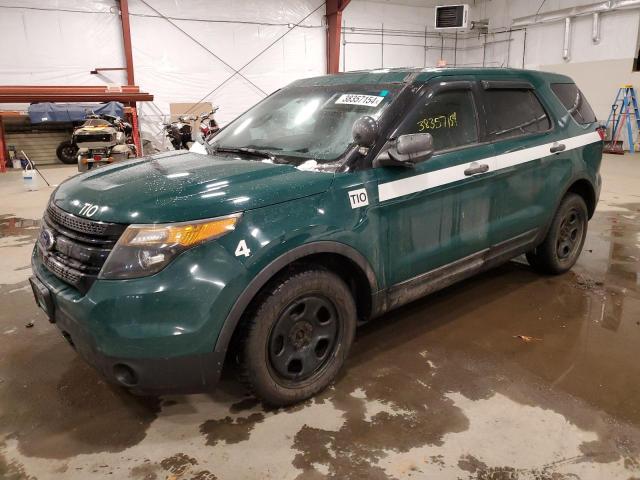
180	186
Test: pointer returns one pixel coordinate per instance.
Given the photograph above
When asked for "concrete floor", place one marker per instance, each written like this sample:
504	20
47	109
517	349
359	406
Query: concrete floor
442	388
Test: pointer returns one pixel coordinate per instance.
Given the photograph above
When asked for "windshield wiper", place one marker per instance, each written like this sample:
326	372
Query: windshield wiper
213	149
263	147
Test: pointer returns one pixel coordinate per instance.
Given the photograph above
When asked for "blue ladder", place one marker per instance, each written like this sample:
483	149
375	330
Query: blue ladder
625	100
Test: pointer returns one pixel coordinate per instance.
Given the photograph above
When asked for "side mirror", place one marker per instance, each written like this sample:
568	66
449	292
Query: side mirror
407	150
365	131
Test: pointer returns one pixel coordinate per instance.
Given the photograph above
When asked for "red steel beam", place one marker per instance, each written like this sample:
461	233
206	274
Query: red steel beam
31	94
60	89
83	97
126	36
334	10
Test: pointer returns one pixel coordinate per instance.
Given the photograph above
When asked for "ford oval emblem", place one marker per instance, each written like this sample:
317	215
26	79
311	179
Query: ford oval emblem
47	239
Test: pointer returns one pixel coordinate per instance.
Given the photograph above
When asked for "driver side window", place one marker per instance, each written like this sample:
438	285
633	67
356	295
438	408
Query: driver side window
449	117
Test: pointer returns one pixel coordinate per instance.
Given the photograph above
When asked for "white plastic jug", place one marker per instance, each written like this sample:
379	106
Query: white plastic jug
30	178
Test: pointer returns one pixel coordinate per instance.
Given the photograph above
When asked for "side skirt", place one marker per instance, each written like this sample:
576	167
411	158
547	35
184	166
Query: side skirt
446	275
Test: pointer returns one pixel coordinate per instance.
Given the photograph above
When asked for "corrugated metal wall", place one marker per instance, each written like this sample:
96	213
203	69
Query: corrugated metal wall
38	142
40	147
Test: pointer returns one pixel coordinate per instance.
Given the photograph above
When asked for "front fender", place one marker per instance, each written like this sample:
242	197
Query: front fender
270	238
267	273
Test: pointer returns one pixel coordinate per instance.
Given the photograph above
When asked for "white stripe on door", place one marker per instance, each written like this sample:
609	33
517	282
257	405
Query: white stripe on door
437	178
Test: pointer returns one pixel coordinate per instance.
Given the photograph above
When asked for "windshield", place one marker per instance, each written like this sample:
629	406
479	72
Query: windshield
302	123
96	122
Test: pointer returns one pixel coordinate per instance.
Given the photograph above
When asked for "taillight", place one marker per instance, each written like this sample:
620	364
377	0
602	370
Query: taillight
602	132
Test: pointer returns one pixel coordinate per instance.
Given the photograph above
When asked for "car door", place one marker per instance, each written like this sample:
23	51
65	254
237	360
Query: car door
526	148
438	212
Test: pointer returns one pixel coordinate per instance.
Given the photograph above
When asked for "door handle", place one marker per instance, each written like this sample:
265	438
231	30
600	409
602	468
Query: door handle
476	168
557	147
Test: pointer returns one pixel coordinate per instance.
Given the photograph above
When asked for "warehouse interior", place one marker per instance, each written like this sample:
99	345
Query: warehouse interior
506	375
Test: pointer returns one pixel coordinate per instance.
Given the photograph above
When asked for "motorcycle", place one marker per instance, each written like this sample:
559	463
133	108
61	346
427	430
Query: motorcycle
180	132
101	140
208	125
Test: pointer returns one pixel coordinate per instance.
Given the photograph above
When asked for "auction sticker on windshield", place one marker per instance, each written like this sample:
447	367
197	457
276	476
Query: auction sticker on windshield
355	99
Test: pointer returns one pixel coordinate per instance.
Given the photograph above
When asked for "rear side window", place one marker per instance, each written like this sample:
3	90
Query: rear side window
573	100
514	112
450	118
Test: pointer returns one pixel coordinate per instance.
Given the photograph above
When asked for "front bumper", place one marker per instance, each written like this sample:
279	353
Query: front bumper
147	376
154	334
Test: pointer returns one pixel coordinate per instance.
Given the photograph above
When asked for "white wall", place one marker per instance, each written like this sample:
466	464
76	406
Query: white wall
175	69
599	69
59	43
396	37
619	32
378	17
52	47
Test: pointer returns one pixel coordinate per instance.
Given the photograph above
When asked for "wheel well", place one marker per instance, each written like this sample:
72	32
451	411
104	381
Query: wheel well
586	191
344	267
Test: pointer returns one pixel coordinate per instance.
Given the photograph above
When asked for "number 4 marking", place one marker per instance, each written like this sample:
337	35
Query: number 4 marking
242	249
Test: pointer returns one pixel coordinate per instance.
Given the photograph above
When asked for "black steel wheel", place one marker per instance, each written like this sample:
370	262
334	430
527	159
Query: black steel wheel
563	244
297	336
570	234
67	152
303	338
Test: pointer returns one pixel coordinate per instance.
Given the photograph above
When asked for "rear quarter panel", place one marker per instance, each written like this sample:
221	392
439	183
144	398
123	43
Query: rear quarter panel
585	159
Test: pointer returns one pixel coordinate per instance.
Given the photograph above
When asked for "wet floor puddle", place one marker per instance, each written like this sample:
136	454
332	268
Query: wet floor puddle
17	236
21	228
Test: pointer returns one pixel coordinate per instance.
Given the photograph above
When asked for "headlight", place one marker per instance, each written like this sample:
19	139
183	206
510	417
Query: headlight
143	250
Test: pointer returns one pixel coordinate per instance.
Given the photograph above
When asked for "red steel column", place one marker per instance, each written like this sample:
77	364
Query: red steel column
126	37
334	10
136	129
3	148
128	55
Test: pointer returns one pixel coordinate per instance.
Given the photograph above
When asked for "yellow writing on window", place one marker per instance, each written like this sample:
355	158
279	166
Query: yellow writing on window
442	121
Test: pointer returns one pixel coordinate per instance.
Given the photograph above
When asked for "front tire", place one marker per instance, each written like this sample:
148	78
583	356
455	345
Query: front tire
298	336
564	241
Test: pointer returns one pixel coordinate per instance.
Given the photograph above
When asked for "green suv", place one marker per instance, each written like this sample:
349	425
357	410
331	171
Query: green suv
332	201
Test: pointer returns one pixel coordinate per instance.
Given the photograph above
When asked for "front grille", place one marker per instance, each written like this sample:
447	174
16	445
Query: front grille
80	248
60	270
78	224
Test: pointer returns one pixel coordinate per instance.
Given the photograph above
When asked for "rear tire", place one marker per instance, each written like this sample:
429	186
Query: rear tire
298	336
564	241
67	152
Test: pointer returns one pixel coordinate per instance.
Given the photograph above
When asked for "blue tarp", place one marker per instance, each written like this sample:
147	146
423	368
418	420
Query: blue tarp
72	112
